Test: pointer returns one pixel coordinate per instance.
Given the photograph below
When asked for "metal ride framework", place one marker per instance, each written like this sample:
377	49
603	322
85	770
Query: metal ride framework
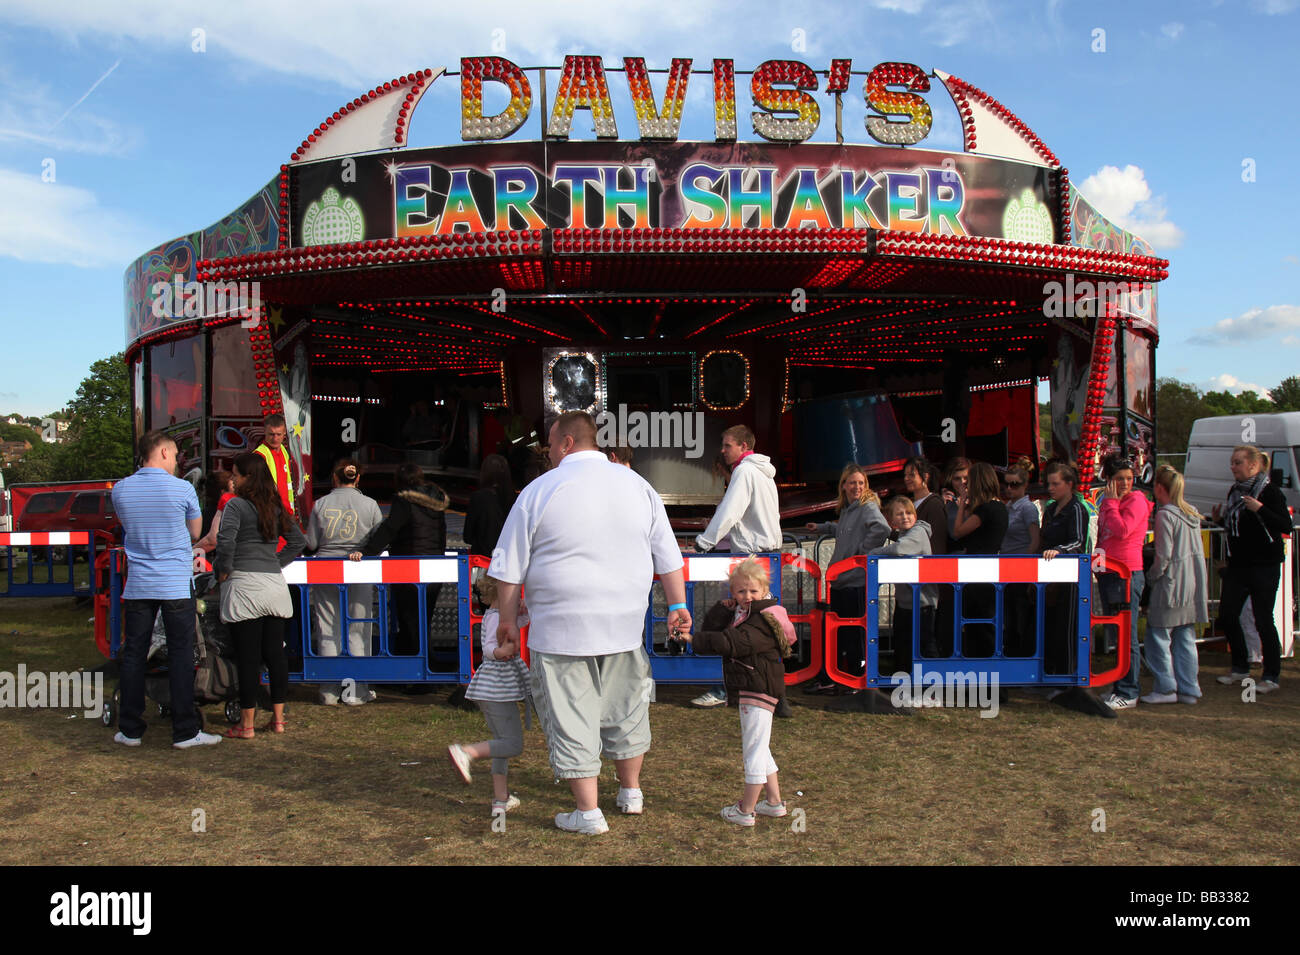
797	582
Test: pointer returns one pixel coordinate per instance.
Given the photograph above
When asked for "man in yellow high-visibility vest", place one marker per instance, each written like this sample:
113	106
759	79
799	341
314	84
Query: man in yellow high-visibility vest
276	456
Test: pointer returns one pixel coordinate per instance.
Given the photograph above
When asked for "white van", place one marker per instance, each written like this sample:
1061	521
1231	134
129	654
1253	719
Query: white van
1210	447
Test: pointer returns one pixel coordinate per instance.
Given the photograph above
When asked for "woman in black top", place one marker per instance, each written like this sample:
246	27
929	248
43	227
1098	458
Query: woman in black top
1256	518
980	526
1065	531
489	505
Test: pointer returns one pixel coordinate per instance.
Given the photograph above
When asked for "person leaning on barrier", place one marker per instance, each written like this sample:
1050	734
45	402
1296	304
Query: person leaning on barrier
1122	523
1065	531
585	540
1021	538
910	538
860	526
1178	594
160	521
339	522
255	600
980	527
416	526
1256	519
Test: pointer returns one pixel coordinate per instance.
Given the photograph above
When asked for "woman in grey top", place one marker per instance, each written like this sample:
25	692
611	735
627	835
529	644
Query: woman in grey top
339	522
1178	594
860	528
255	600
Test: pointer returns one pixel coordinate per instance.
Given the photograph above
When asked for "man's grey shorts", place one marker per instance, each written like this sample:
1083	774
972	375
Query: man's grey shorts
592	706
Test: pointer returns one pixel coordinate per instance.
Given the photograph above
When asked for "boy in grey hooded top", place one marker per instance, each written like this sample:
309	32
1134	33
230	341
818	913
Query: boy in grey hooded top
913	540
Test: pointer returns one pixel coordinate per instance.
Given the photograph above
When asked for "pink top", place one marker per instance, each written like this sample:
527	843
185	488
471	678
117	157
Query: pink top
1122	527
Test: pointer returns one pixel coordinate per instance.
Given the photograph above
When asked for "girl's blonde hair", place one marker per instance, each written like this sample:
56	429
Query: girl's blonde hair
1254	455
1169	479
753	570
868	496
485	588
900	502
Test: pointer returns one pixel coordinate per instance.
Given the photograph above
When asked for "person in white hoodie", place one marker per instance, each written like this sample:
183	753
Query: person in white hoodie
747	517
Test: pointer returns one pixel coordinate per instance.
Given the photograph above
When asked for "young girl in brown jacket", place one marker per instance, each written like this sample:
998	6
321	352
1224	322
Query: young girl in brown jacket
752	632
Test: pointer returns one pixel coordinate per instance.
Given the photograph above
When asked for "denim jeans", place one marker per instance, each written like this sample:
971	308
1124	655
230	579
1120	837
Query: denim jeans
137	633
1181	676
1130	686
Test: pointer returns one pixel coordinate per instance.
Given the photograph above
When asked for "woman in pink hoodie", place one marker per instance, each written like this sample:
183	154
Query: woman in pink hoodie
1121	529
752	632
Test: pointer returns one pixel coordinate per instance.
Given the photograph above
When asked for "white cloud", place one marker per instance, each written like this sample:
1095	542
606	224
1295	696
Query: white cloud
1124	197
1172	30
1226	382
1252	325
1275	7
899	6
63	225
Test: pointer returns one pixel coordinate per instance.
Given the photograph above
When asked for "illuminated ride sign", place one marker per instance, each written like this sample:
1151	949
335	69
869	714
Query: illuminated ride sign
777	87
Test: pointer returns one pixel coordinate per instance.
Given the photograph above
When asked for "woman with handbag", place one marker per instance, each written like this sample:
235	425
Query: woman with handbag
1177	587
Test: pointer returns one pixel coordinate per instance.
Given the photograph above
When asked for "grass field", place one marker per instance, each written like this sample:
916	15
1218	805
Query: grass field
1217	783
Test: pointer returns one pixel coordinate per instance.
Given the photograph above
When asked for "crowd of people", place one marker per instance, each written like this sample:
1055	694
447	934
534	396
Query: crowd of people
589	677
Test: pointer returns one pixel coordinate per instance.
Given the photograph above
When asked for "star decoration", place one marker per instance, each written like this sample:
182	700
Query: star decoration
390	168
297	430
277	318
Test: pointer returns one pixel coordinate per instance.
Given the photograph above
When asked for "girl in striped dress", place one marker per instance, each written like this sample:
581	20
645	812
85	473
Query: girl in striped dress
497	687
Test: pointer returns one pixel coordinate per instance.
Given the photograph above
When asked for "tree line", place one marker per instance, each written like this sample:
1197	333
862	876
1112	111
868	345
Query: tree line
1179	403
98	442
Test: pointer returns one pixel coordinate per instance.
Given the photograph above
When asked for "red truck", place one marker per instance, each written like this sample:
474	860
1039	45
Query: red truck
61	506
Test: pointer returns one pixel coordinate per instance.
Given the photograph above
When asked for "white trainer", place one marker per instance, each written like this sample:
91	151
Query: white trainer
126	740
591	823
1228	679
630	802
765	808
198	739
1154	697
732	813
459	761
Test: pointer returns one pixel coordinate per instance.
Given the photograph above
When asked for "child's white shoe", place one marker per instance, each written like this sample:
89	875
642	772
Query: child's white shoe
459	760
511	803
765	808
732	813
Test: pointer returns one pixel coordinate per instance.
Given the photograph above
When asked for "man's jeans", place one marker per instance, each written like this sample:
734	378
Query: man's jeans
137	626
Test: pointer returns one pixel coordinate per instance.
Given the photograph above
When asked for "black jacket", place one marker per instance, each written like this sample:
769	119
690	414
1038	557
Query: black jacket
415	525
484	519
1259	534
752	657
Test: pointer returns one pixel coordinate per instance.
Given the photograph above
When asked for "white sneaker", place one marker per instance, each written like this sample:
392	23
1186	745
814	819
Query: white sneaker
198	739
732	813
126	740
1228	679
711	698
1117	702
1154	697
1266	686
630	802
499	806
459	760
1188	698
765	808
590	823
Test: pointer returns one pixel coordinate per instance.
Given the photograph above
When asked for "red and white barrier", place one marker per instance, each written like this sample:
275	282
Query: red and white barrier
979	570
390	570
713	567
45	538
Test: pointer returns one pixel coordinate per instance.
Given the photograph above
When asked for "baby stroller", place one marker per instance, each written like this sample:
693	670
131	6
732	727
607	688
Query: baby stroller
216	678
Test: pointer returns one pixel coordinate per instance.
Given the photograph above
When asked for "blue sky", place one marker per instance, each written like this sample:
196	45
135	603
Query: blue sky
1183	129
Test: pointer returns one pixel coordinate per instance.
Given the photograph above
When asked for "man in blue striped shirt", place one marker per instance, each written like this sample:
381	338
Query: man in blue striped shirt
161	520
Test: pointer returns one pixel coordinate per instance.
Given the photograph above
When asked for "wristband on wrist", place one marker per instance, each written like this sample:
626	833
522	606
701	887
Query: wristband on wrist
672	607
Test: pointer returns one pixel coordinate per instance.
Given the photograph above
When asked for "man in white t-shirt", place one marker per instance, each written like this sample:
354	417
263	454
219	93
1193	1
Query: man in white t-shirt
585	540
